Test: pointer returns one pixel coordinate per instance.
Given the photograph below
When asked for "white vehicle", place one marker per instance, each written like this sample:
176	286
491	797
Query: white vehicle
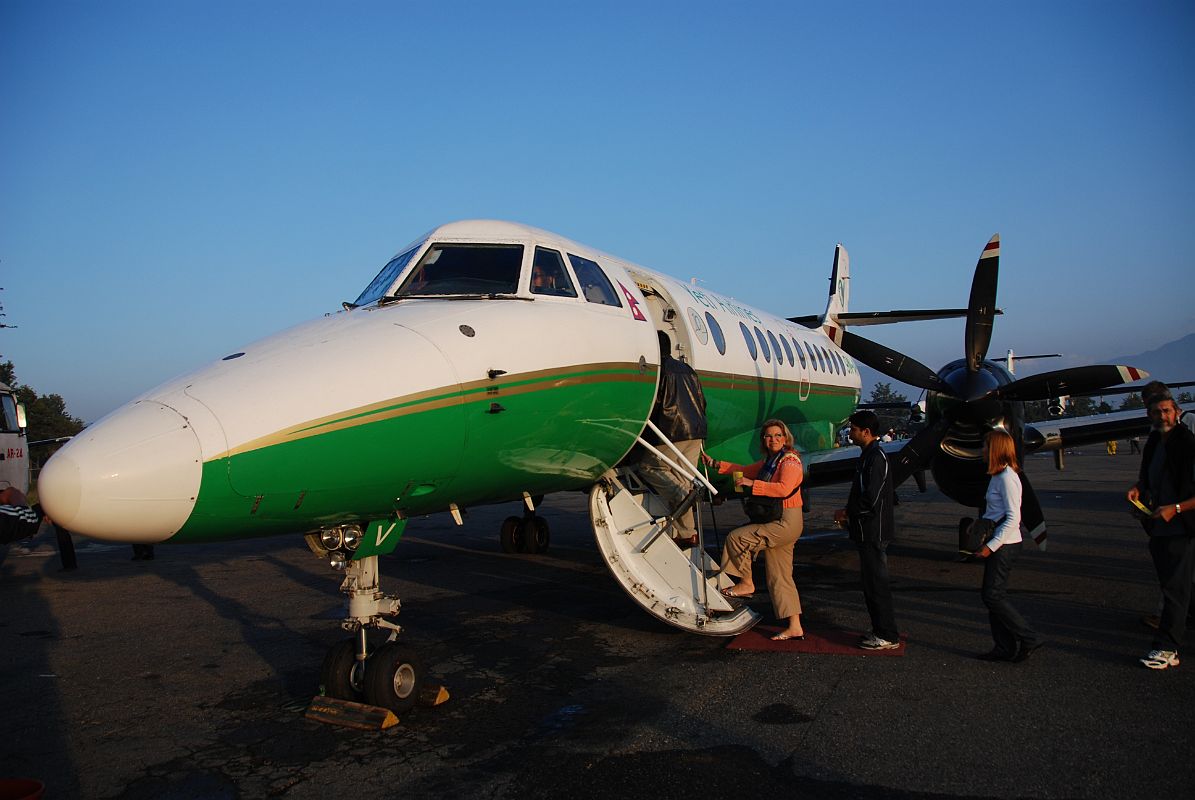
14	449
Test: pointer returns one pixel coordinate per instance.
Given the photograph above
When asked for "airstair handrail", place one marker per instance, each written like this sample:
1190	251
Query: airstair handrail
690	473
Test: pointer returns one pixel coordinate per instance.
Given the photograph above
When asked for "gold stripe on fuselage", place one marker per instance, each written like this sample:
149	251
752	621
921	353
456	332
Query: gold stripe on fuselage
432	399
507	386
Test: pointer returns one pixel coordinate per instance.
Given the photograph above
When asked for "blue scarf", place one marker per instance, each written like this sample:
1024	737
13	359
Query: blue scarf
769	466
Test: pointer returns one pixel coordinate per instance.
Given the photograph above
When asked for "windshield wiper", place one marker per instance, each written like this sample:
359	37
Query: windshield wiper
459	296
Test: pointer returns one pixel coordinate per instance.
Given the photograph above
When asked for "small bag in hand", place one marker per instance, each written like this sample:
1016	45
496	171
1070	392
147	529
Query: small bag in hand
975	535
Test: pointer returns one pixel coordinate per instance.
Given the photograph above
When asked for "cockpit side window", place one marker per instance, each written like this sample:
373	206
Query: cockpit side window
465	269
382	281
594	284
548	275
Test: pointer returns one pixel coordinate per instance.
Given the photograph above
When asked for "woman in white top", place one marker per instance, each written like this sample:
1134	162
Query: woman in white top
1015	640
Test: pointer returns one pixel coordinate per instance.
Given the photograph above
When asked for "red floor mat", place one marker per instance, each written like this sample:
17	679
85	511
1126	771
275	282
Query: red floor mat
832	641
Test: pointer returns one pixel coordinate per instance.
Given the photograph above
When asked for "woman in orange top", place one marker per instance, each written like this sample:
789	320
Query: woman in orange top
779	474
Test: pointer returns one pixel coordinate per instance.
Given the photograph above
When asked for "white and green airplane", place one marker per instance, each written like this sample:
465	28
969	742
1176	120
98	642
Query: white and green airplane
489	362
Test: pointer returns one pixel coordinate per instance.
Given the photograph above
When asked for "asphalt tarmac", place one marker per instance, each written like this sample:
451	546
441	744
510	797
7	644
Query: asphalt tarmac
187	676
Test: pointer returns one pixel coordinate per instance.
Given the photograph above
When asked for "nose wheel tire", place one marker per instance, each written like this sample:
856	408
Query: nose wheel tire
393	676
342	676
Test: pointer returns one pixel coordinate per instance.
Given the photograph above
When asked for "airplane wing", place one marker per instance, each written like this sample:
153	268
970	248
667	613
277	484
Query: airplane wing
838	465
823	467
1055	434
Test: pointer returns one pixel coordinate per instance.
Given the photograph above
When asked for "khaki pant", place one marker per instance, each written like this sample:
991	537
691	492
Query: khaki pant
669	484
776	540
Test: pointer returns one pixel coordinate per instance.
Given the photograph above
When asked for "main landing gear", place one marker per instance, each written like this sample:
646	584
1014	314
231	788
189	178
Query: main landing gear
389	674
526	534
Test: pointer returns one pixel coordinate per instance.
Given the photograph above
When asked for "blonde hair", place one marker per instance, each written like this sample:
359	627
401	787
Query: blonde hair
776	423
1002	451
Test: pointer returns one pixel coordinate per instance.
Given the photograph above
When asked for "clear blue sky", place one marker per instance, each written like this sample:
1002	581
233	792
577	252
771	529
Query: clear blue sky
179	178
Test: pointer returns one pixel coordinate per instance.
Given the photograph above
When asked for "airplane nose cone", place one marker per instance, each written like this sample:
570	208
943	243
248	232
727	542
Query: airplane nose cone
131	477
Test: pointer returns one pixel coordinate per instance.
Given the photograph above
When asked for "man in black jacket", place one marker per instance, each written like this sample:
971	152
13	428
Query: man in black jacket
679	413
871	524
1166	485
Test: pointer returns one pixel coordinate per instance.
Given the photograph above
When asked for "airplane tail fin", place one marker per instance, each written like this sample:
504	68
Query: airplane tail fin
840	294
833	319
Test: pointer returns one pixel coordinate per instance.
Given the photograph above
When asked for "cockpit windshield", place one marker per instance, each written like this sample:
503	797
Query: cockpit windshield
465	269
382	281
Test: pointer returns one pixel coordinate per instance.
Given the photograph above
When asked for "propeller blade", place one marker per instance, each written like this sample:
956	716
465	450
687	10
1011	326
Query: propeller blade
1031	514
916	455
893	364
1075	380
981	308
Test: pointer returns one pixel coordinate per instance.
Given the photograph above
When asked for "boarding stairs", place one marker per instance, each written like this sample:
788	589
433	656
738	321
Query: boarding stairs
632	526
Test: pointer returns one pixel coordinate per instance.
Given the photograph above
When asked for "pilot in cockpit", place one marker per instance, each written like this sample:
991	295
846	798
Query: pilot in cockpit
541	281
549	278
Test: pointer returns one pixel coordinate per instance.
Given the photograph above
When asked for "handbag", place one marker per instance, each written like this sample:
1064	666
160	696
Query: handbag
760	509
973	536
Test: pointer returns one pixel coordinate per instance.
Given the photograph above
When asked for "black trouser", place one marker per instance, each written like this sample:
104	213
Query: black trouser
66	548
873	569
1009	629
1174	559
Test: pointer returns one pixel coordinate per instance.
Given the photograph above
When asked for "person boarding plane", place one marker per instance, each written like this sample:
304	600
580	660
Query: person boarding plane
456	379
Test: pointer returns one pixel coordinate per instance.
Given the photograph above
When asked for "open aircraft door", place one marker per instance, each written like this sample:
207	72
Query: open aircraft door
682	587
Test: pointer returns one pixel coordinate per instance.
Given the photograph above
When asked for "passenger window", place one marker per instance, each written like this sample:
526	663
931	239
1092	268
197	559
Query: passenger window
548	275
787	351
841	364
465	269
750	340
821	359
763	345
716	332
775	348
812	356
800	352
594	284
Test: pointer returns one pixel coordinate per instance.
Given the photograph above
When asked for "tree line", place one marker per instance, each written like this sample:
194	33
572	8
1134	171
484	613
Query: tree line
45	414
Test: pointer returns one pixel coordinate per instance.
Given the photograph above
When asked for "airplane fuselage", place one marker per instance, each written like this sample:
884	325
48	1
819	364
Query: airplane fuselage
412	404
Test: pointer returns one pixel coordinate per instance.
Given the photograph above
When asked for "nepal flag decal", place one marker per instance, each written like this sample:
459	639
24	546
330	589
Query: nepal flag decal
636	312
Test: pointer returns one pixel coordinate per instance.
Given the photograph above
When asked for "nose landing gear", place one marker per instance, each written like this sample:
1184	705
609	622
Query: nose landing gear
390	675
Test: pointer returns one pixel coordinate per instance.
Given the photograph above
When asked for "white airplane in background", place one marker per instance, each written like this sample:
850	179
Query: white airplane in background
489	362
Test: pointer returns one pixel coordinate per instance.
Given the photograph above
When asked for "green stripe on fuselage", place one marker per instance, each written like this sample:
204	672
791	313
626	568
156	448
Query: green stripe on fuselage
532	432
738	404
555	430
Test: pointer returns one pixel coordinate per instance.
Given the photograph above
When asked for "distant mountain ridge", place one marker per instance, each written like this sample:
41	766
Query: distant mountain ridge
1171	363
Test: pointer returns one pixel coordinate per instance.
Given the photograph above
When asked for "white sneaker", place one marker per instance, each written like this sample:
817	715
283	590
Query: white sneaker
1161	659
874	642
